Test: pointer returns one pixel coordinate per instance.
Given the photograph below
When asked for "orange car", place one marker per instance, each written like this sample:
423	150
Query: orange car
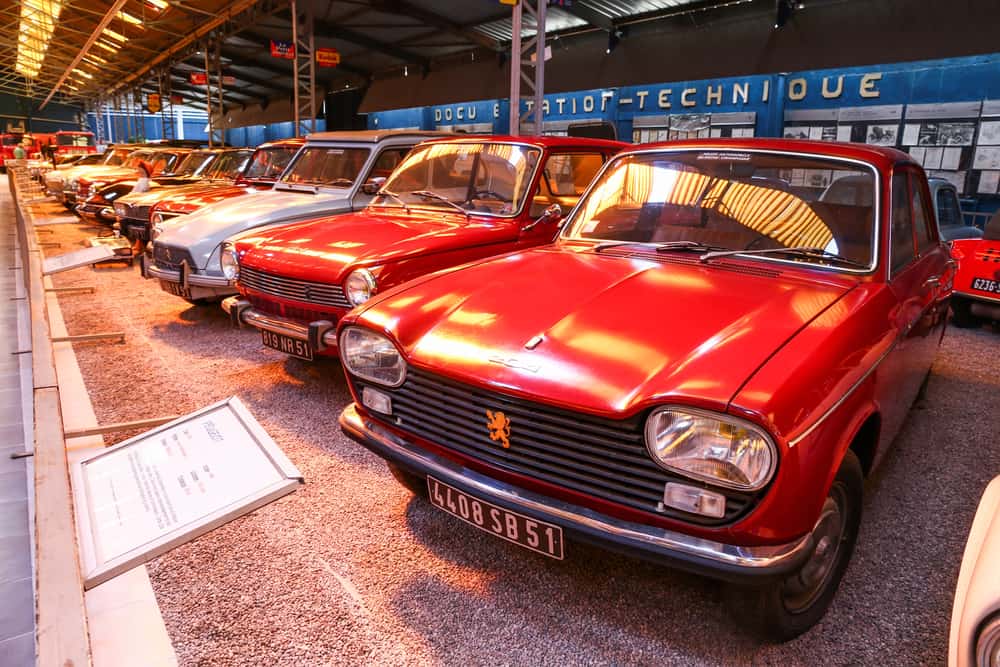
977	284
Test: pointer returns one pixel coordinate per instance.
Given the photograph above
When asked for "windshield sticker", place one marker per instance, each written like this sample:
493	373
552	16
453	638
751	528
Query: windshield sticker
726	156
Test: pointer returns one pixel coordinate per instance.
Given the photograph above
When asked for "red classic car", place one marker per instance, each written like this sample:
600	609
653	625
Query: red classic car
700	370
264	168
450	201
977	284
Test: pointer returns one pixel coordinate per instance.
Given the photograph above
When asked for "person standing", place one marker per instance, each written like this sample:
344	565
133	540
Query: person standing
19	153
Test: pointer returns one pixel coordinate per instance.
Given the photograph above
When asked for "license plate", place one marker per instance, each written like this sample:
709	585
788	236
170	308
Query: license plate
986	285
176	289
287	344
539	536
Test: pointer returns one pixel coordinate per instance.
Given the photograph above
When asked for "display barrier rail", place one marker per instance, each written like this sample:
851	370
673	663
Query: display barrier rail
61	620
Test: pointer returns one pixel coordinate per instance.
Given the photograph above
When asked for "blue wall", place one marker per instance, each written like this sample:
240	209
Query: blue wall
17	110
254	135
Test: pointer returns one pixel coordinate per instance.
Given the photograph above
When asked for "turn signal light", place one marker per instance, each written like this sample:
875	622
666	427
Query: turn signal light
694	500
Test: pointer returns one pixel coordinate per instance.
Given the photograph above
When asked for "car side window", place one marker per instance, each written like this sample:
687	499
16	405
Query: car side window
564	178
902	250
388	160
922	221
949	213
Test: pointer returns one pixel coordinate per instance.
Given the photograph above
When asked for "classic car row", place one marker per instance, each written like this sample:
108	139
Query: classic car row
669	350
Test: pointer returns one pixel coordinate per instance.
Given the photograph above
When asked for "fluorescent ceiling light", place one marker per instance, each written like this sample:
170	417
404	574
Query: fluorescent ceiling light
83	73
158	5
117	36
94	56
107	47
128	18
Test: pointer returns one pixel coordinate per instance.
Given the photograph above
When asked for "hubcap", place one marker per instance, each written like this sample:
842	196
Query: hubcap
801	589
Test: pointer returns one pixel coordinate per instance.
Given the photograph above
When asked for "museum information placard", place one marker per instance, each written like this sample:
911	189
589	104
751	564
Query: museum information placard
153	492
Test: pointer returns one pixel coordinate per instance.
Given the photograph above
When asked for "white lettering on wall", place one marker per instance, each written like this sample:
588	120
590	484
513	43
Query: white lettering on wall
588	103
831	94
713	94
797	89
686	100
741	92
641	94
868	89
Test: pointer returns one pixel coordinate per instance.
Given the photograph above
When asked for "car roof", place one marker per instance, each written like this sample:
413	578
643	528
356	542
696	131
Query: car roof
291	141
881	156
539	141
372	136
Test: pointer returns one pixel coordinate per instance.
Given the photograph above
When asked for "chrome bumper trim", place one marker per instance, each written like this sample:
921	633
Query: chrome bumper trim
196	279
320	335
756	558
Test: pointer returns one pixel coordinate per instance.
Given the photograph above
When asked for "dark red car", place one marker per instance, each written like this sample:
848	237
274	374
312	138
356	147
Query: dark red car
700	371
977	284
261	173
449	202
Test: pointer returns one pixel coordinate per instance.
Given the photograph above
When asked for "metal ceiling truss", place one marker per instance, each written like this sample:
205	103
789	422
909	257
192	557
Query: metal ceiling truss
304	92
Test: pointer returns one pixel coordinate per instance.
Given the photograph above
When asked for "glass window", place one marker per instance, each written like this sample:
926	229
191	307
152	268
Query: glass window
733	200
195	163
491	178
901	229
228	165
948	210
268	163
921	219
324	165
387	161
565	176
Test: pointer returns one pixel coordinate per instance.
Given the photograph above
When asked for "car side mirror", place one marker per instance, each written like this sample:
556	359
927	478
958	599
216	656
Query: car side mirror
373	185
553	212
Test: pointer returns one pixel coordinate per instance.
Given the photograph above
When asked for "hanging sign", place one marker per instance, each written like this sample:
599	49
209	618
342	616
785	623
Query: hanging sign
153	103
177	99
228	80
199	78
282	49
327	57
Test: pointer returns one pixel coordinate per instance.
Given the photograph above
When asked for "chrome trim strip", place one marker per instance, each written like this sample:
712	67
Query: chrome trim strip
802	436
197	279
575	516
876	210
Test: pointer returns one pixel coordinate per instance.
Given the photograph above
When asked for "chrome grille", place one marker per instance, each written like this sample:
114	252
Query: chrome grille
602	458
305	291
170	258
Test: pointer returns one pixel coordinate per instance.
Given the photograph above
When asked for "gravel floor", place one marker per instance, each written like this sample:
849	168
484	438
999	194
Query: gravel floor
352	570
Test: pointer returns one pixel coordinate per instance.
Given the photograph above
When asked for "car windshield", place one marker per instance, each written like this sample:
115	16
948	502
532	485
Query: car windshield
722	200
490	178
75	139
196	163
268	163
115	158
11	141
326	165
229	165
133	160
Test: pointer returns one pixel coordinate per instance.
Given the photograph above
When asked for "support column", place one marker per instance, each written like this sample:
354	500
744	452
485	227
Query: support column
304	97
206	48
522	69
166	106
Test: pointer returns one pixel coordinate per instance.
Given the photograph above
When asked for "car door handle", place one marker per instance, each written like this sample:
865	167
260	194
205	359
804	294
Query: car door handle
932	282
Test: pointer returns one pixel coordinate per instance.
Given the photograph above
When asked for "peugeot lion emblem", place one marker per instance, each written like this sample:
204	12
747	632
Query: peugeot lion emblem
499	427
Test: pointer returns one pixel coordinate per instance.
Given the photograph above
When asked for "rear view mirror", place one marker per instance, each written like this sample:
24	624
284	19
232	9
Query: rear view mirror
373	185
552	213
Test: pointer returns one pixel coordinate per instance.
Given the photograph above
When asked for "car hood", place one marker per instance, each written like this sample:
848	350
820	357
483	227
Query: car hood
90	171
617	333
159	192
202	231
183	198
325	249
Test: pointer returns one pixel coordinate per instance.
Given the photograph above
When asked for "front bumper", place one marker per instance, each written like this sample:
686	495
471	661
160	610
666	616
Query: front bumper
321	335
135	229
216	285
102	212
980	305
746	565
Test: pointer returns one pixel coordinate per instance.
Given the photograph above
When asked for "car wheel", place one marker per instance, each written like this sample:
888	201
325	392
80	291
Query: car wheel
961	314
415	483
786	610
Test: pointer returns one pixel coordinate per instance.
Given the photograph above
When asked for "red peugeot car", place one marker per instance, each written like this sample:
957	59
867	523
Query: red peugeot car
450	201
977	284
261	173
700	371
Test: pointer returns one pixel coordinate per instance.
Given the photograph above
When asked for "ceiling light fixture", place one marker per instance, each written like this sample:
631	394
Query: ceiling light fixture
83	73
94	56
38	20
116	36
113	48
128	18
158	5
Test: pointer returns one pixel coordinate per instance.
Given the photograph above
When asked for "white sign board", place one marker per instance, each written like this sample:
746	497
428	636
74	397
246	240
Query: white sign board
77	258
160	489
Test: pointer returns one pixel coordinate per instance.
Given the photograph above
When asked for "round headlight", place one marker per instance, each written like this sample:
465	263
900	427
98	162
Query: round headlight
988	643
156	218
359	286
372	356
711	447
230	261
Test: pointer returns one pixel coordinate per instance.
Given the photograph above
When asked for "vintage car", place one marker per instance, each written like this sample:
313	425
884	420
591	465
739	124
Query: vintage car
191	168
132	209
977	284
975	618
452	201
58	182
948	211
161	160
261	173
333	173
700	371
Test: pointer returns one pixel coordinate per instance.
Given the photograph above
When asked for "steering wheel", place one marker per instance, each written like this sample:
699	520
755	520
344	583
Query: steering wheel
488	194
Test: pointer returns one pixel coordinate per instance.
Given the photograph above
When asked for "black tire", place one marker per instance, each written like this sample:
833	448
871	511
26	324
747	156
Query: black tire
415	483
786	610
961	314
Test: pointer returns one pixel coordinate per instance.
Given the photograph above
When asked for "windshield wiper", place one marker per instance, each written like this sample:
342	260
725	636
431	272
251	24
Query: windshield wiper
346	182
433	195
800	251
666	246
393	195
